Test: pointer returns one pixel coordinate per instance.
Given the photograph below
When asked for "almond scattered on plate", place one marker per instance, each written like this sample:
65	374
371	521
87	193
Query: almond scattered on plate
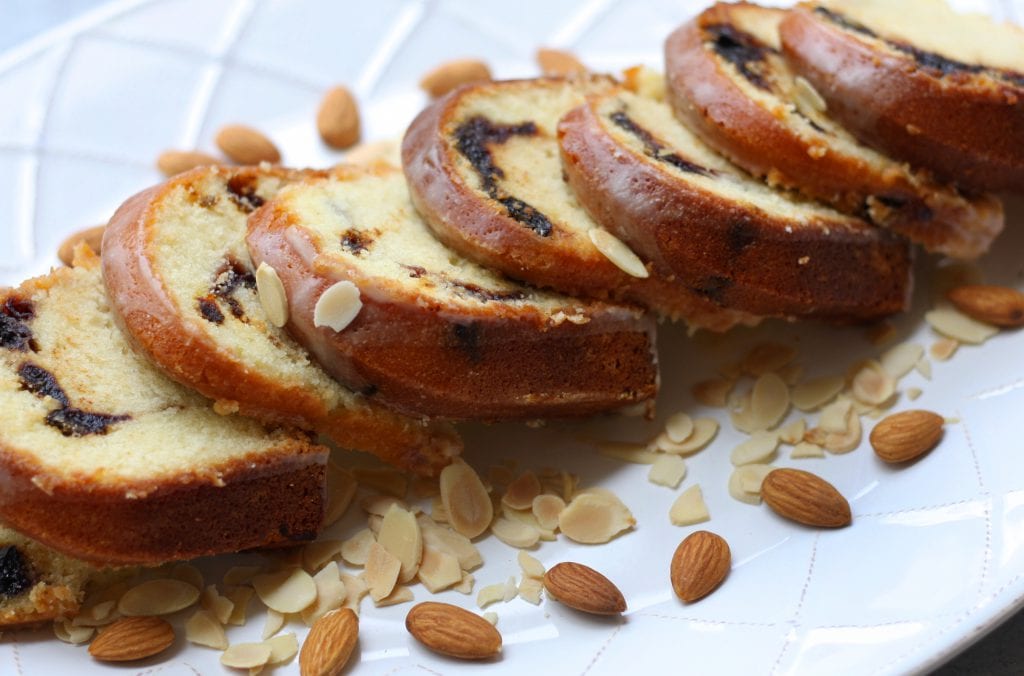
902	437
132	638
329	644
453	631
700	563
583	588
805	498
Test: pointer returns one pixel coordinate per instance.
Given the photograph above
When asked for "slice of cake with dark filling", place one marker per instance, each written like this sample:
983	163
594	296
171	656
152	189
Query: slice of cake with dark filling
928	85
730	237
180	277
104	458
390	311
727	80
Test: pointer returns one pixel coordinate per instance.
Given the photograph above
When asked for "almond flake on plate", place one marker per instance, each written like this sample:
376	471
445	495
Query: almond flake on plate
689	508
382	569
282	648
400	535
246	655
438	570
679	427
813	394
668	470
400	594
157	597
806	449
899	360
286	591
943	350
704	431
872	384
514	533
759	447
330	594
273	623
954	324
530	589
218	606
546	509
595	517
204	629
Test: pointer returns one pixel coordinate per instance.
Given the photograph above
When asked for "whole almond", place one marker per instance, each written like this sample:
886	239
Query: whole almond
329	644
92	236
805	498
246	145
700	564
999	305
338	118
132	638
558	62
903	436
173	162
453	631
583	588
452	74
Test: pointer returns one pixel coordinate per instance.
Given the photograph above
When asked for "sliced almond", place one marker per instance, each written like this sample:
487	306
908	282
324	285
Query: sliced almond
400	594
546	509
204	629
341	489
558	62
338	306
668	470
246	145
952	323
530	566
713	393
286	591
173	162
447	540
273	623
996	305
583	588
905	436
806	449
794	432
465	499
218	606
380	504
330	594
899	360
492	593
689	508
839	428
240	598
942	349
157	597
452	631
514	533
330	643
700	564
65	631
679	427
355	590
246	655
270	290
382	570
282	648
594	518
530	589
189	574
356	550
316	554
704	431
813	394
767	358
132	638
873	384
400	535
805	498
466	585
452	74
748	477
439	570
521	492
758	448
616	251
337	120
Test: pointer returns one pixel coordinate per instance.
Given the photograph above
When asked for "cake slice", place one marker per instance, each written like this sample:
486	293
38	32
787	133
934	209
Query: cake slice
105	459
180	277
484	173
392	312
731	238
728	81
923	83
37	584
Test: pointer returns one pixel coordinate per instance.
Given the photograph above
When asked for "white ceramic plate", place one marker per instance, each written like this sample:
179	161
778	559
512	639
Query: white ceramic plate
936	552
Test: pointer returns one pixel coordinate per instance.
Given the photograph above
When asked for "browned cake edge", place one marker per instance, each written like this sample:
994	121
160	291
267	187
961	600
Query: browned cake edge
968	129
735	256
191	357
495	363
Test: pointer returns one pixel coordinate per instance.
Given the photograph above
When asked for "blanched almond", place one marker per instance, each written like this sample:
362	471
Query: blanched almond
356	550
679	427
204	629
873	384
952	323
704	431
899	360
330	594
592	518
546	509
157	597
246	655
439	570
286	591
382	569
668	470
400	535
813	394
521	492
689	508
465	499
338	306
514	533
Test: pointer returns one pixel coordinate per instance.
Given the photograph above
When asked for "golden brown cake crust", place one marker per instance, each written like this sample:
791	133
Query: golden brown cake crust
268	498
966	127
736	257
191	357
704	92
425	357
475	227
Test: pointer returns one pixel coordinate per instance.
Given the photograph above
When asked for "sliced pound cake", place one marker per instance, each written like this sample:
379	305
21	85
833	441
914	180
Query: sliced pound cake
484	172
734	240
390	311
105	459
37	584
180	277
938	89
728	81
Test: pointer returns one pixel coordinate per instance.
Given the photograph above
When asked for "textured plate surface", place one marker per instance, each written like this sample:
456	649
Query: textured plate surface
936	552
